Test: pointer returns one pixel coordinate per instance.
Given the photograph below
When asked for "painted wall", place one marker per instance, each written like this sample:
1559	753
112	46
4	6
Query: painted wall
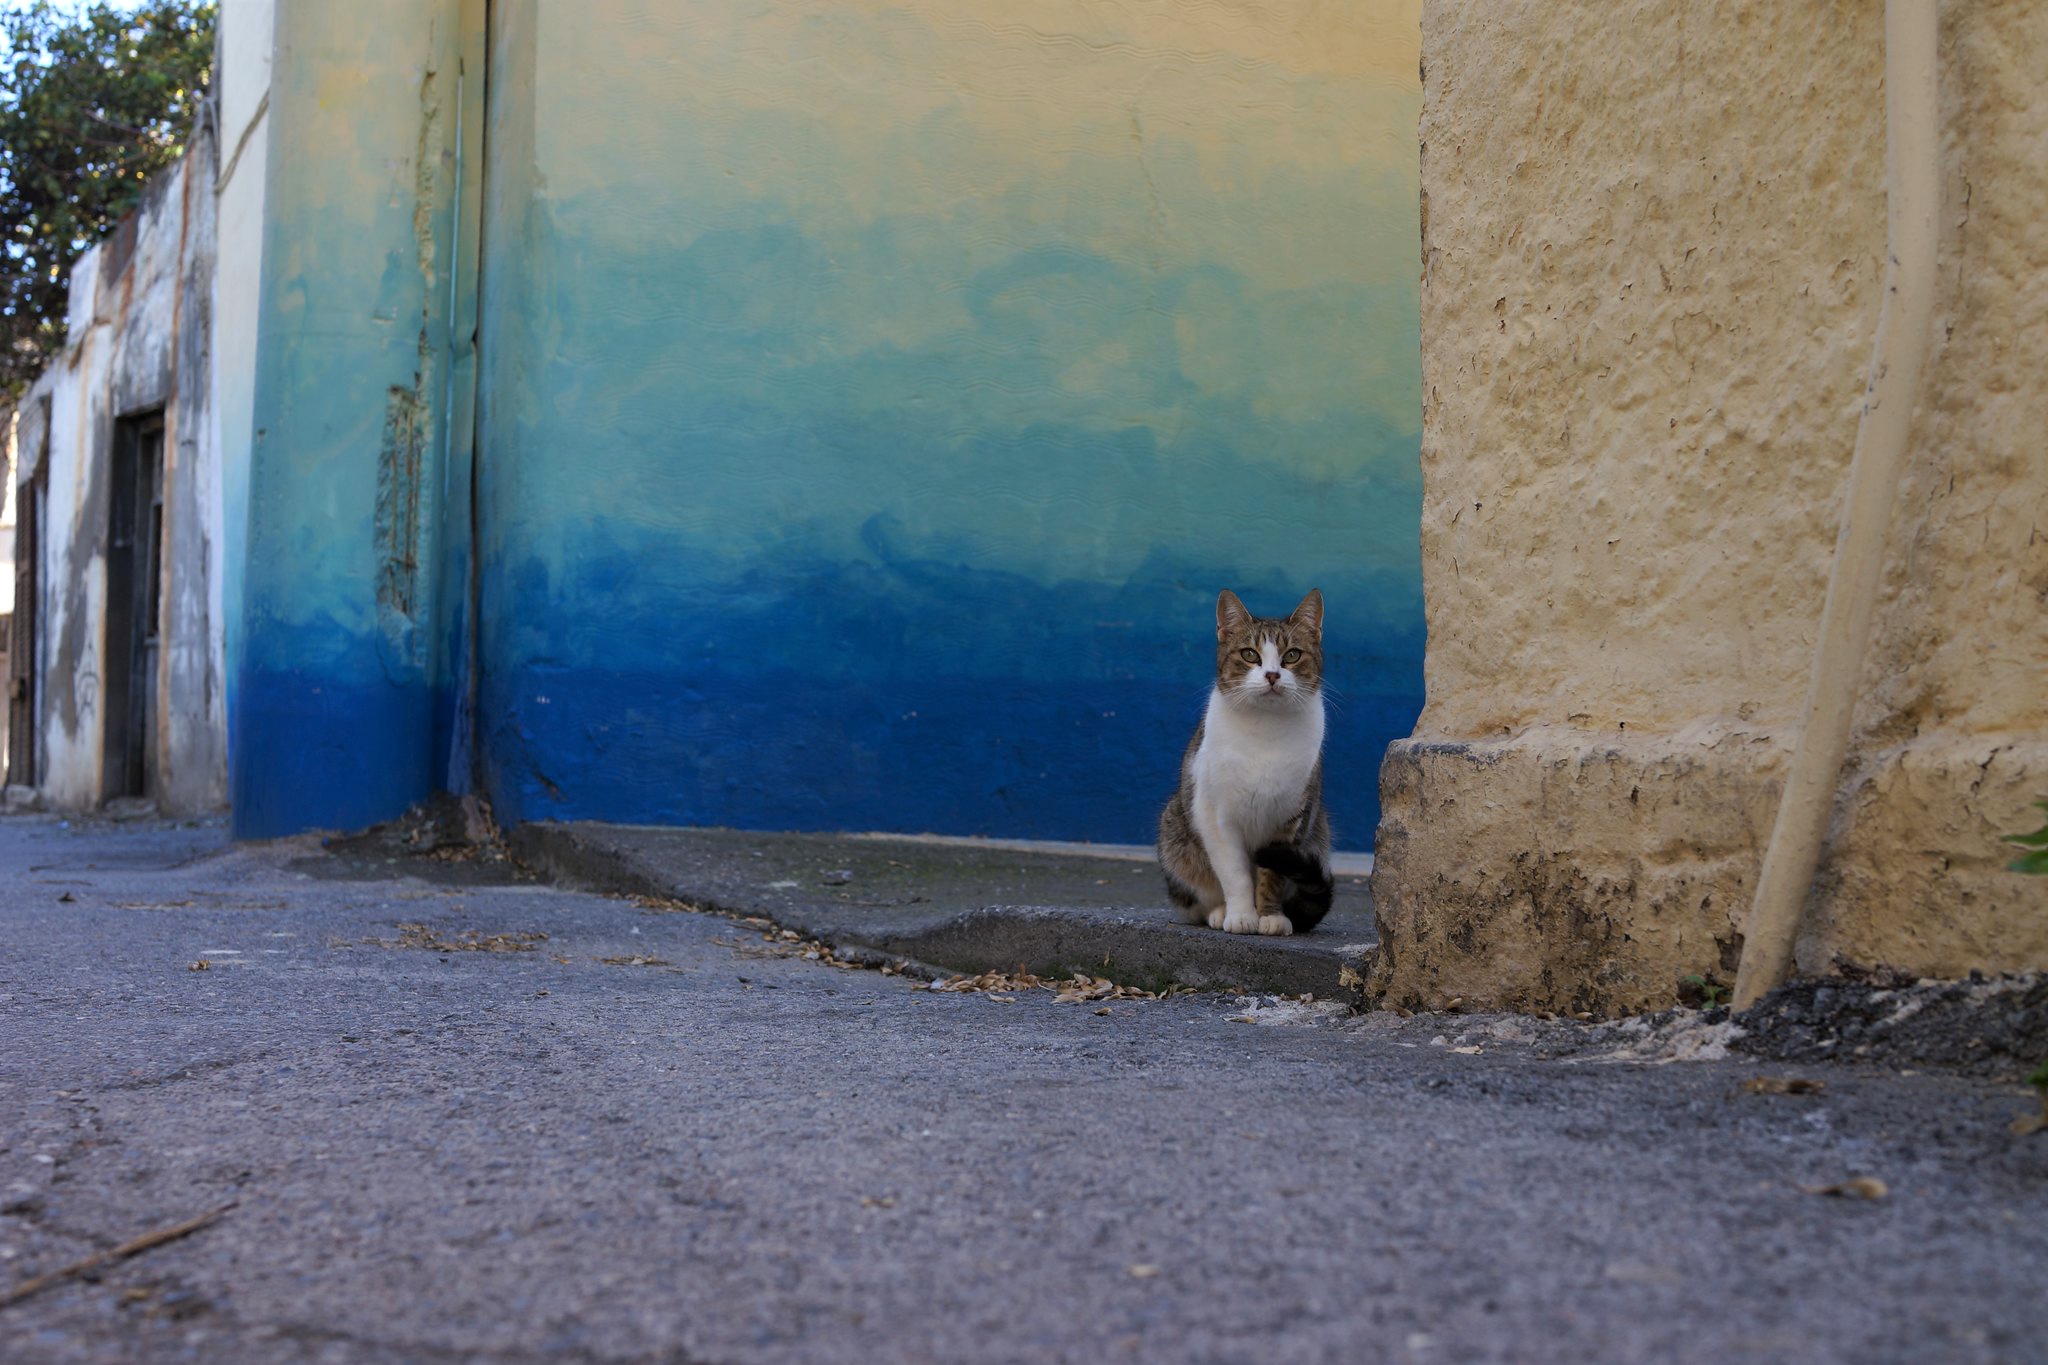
241	90
139	338
8	499
876	397
340	674
1653	254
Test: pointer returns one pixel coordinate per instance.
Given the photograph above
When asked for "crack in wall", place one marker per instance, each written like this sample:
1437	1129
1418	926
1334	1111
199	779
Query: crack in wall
406	421
409	413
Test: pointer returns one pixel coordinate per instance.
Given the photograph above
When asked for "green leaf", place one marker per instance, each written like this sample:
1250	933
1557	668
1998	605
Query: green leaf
2039	838
93	101
2034	864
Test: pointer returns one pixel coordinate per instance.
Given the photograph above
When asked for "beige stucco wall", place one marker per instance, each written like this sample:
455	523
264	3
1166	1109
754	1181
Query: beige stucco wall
1652	245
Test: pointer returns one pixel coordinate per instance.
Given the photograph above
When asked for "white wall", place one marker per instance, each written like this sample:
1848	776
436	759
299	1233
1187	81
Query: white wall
242	89
138	340
7	520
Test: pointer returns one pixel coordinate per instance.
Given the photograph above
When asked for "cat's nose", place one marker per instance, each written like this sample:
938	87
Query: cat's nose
1271	676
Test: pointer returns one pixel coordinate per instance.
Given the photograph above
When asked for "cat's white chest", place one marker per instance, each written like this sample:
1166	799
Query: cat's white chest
1254	765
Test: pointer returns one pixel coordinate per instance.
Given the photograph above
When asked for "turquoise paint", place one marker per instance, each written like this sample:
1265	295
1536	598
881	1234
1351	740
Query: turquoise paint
332	701
869	405
837	476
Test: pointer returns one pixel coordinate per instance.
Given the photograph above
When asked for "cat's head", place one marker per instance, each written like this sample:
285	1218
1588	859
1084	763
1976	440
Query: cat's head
1263	662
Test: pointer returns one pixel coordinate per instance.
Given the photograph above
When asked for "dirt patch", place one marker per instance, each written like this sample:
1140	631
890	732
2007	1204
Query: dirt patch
1076	989
453	840
1993	1027
467	941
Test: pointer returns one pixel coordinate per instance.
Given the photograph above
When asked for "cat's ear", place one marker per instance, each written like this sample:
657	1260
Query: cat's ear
1309	615
1231	617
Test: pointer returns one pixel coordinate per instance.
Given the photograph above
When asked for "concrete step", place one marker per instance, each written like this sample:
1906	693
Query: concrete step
962	906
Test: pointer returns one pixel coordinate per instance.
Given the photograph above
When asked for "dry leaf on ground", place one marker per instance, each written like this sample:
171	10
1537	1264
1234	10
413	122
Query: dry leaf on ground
467	941
1078	989
1861	1187
666	905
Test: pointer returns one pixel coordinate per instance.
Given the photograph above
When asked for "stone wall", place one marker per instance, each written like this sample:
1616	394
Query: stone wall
1652	248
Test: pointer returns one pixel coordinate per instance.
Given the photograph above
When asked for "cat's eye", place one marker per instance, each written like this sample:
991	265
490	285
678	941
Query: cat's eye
1250	656
1292	656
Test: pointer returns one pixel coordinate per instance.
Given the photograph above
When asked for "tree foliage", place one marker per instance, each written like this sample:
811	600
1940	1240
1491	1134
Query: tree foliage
94	100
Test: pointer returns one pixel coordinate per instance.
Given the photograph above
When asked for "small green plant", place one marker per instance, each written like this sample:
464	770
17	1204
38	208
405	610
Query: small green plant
2035	859
1702	993
2028	1124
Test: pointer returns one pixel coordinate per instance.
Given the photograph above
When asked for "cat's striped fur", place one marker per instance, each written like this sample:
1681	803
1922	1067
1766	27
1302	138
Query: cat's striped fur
1245	841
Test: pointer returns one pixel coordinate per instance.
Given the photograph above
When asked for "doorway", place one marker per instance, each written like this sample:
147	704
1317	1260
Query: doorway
134	602
30	497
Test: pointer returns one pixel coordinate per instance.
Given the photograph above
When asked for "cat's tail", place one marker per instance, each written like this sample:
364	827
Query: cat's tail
1306	905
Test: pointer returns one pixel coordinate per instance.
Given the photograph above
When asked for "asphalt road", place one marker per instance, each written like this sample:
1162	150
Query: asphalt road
699	1151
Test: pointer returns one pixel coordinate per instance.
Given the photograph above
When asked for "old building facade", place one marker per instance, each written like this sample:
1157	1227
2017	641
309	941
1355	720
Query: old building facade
116	683
1650	289
603	419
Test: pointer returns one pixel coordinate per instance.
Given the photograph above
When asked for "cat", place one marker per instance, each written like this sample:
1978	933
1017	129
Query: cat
1245	841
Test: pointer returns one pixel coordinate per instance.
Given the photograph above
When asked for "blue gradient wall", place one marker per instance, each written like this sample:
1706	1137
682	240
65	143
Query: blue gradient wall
875	397
337	659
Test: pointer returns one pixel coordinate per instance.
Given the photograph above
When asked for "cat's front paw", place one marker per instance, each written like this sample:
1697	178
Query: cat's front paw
1246	923
1216	917
1275	924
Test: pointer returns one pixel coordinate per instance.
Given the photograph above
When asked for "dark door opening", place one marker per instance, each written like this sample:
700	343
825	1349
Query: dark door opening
21	647
134	599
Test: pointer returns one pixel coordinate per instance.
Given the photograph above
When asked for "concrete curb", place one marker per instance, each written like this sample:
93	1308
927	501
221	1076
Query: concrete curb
1137	946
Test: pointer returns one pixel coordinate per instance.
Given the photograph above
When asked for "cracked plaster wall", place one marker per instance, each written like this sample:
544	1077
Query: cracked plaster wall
139	339
1652	248
357	478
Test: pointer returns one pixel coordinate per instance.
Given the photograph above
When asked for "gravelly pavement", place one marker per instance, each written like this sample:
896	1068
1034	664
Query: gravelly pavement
472	1155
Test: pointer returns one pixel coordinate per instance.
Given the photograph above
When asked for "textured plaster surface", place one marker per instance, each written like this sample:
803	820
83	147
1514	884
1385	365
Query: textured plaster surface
140	339
242	85
866	449
1652	253
348	494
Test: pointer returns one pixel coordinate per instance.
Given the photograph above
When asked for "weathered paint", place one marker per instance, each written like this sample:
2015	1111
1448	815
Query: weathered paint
334	715
876	396
9	502
139	338
242	95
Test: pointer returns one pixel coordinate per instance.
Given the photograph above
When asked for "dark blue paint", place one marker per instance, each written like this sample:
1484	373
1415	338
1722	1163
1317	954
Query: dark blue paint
791	525
902	694
310	750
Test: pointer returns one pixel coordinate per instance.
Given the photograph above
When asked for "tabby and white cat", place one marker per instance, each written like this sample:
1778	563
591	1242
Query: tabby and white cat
1245	842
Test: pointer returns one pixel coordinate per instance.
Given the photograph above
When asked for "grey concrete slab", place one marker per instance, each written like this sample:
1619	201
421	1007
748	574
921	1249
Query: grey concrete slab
964	907
646	1138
